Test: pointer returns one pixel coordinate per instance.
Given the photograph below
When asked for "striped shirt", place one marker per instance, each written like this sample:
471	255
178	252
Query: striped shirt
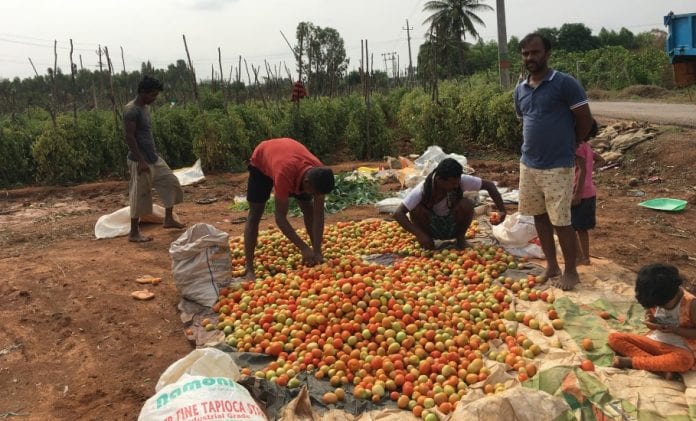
548	124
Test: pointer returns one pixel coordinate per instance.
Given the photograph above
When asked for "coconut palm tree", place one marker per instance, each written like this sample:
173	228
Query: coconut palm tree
450	22
456	17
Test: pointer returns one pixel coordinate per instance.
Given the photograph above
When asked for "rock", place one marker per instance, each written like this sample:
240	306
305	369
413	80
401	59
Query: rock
143	295
633	182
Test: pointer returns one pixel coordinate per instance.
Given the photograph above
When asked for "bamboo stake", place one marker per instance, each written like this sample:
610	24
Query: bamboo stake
256	83
222	80
112	95
33	67
193	72
72	78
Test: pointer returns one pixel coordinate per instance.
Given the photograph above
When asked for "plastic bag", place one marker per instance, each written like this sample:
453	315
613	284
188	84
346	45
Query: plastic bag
118	223
201	386
434	153
389	205
201	261
432	156
190	175
515	234
515	231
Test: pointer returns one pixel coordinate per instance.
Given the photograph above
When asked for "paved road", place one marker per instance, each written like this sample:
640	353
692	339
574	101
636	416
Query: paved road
657	113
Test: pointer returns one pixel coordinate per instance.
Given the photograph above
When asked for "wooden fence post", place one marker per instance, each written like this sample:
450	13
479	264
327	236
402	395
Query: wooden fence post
194	83
72	78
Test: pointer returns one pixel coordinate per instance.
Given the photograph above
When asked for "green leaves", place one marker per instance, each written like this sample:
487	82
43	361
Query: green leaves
350	190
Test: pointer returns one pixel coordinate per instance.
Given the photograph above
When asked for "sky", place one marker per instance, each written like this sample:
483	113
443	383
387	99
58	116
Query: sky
152	29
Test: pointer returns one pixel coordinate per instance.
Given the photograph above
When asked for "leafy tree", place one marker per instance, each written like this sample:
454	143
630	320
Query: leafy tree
551	34
326	57
576	37
654	38
481	56
624	38
449	23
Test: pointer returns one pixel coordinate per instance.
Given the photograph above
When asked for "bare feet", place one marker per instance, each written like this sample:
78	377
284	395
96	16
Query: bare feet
461	244
139	238
551	272
583	262
670	376
567	281
622	362
173	224
250	275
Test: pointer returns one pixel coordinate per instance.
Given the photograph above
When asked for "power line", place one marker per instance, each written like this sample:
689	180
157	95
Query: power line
38	45
6	34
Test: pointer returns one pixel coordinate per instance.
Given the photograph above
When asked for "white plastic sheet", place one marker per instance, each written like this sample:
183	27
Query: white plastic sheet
117	223
432	156
190	175
515	234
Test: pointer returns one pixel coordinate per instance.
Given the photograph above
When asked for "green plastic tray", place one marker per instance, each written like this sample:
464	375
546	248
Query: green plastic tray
664	204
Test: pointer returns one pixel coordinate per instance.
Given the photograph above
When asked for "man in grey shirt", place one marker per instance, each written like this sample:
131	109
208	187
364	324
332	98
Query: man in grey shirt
147	169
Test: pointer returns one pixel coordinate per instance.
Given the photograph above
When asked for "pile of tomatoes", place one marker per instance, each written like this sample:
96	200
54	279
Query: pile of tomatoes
421	331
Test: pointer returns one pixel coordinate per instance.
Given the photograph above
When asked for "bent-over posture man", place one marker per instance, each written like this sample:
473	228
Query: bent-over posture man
286	166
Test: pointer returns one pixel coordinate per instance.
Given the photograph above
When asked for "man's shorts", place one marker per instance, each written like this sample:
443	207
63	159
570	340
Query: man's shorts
582	216
547	191
140	186
260	185
443	227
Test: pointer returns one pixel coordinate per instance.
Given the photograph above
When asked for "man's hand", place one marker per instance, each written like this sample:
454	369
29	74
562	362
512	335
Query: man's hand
143	167
425	241
576	200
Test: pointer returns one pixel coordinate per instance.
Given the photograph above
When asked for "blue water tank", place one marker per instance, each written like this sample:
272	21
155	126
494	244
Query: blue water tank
681	38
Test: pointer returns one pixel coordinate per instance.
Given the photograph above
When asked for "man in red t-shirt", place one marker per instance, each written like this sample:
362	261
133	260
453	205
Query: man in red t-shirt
288	167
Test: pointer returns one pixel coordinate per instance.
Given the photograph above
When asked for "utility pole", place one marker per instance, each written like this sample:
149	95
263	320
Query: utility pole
408	30
389	57
503	62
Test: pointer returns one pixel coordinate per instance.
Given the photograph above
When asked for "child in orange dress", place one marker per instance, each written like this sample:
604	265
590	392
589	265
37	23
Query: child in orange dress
671	317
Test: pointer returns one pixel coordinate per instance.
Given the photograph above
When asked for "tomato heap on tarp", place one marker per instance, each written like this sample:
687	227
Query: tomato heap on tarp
276	254
418	331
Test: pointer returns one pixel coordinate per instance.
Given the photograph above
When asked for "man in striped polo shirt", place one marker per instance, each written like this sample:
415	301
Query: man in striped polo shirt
555	115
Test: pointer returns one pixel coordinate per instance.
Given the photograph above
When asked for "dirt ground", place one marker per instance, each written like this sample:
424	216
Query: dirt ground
74	345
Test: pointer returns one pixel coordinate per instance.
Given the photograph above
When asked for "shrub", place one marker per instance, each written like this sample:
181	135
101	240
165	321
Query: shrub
59	157
258	122
411	108
173	130
221	141
504	129
17	165
314	124
367	134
